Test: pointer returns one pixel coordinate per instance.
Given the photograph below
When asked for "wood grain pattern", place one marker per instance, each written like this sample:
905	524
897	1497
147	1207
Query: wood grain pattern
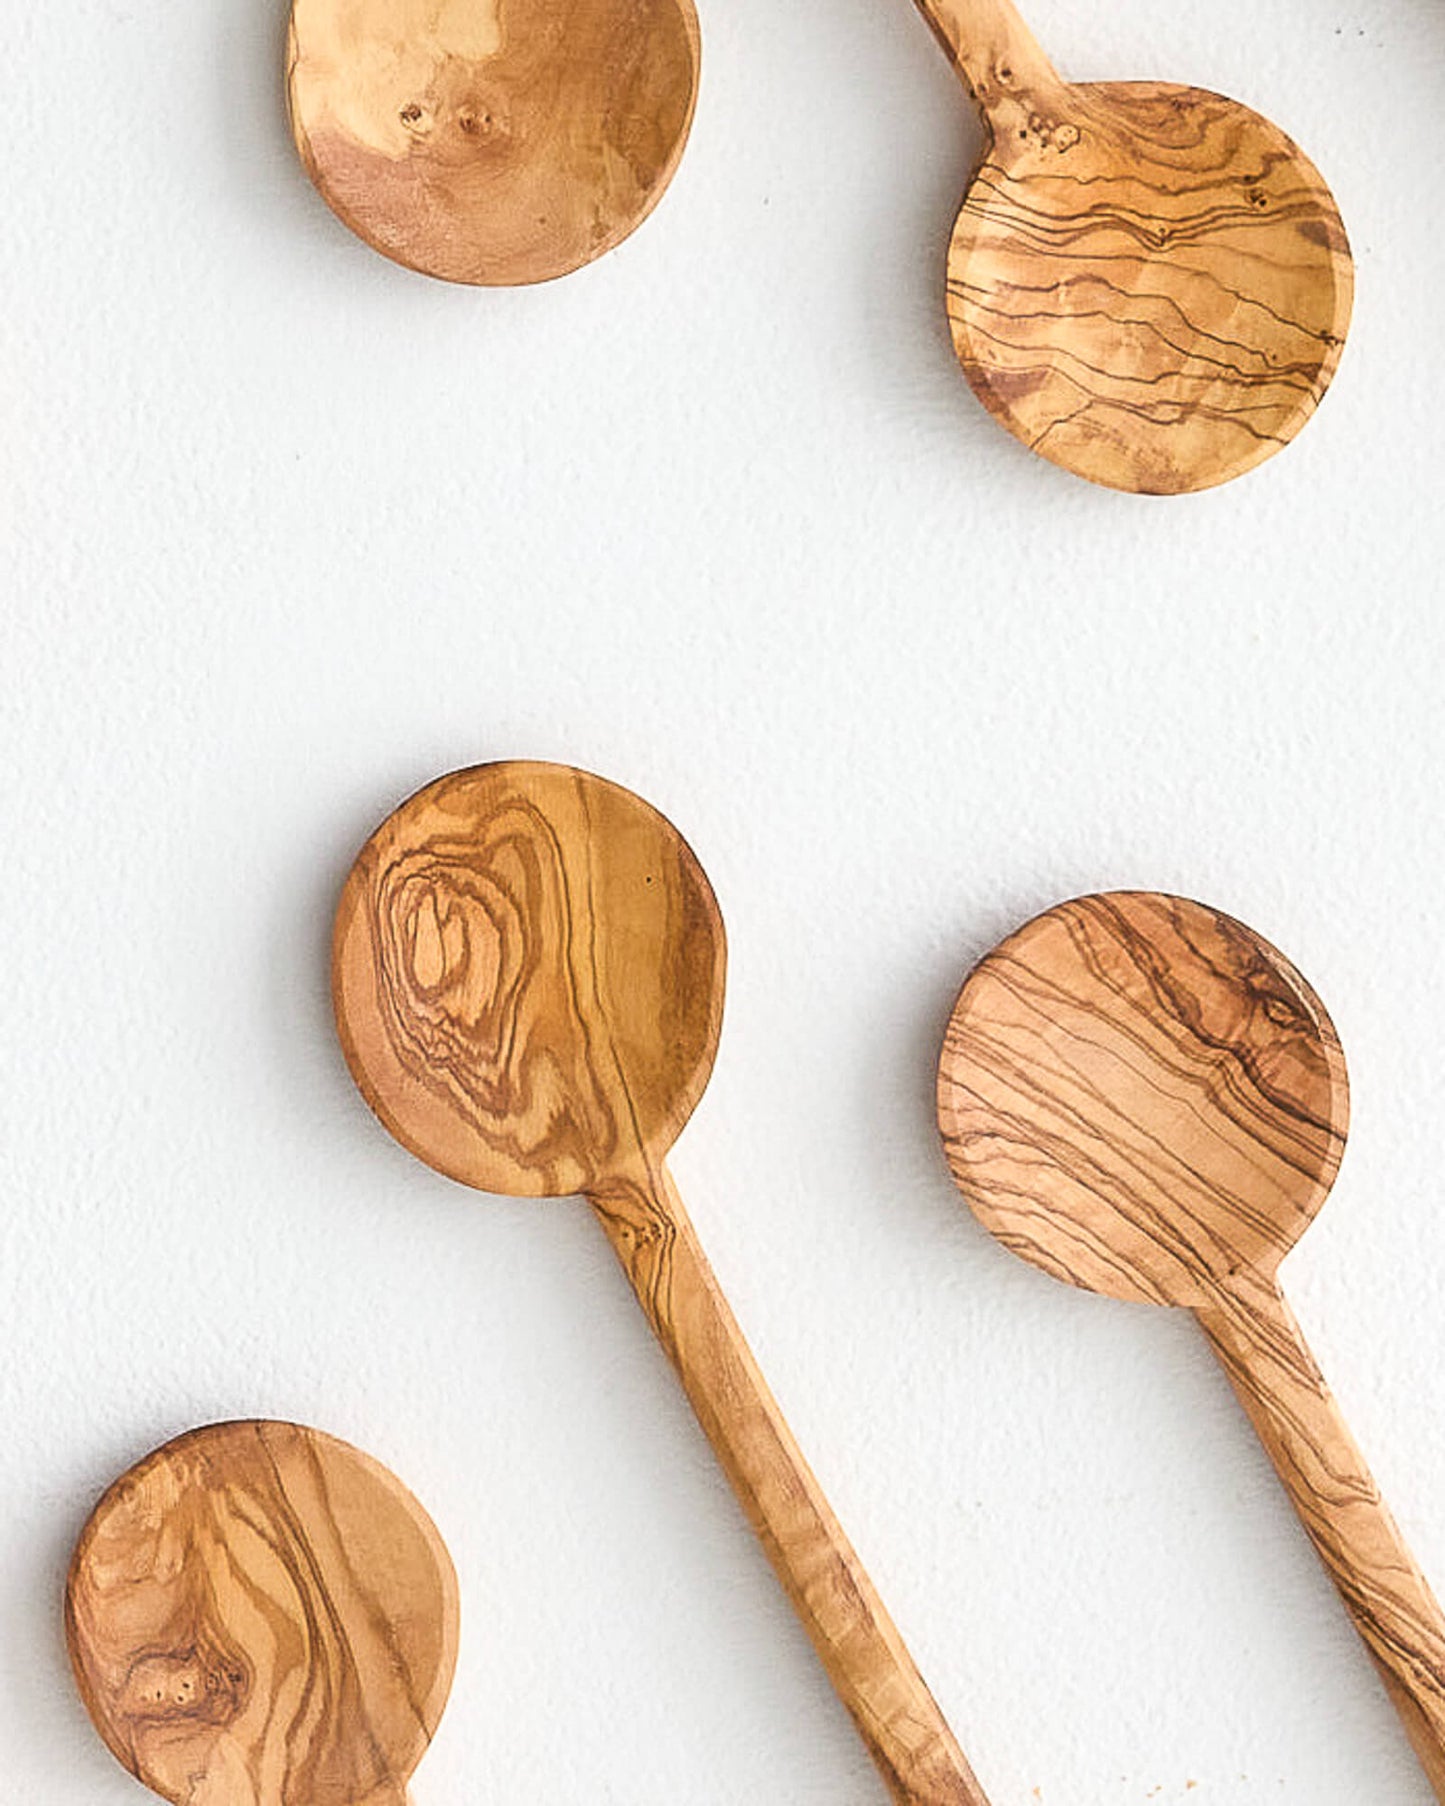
1147	284
260	1615
528	971
1276	1378
1142	1096
492	141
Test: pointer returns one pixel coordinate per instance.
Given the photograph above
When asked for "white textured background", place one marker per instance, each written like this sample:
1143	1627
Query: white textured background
288	531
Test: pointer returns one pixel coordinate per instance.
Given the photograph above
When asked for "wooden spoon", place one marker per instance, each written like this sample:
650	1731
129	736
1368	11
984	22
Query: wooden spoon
1141	1096
259	1615
492	141
528	975
1147	284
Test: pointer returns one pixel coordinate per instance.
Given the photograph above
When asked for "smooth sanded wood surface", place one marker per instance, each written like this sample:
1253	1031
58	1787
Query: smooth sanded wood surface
492	141
1142	1096
260	1615
1148	284
528	973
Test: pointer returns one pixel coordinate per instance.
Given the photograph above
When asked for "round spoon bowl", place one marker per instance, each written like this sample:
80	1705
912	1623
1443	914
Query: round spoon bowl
528	969
1149	285
528	973
492	141
1142	1096
239	1571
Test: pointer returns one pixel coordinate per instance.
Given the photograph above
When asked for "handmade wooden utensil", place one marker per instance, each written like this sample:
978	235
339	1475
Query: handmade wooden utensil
528	975
260	1615
1147	284
1141	1096
492	141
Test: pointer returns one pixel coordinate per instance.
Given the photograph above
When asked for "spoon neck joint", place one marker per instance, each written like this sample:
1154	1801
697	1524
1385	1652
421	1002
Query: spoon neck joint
644	1219
999	60
1246	1292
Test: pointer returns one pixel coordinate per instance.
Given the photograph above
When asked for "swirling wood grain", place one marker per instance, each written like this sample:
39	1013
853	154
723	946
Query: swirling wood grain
492	141
259	1615
1148	284
1140	1095
528	973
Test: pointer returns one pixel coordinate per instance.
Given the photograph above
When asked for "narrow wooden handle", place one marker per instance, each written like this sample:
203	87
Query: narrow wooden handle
858	1642
1255	1335
997	56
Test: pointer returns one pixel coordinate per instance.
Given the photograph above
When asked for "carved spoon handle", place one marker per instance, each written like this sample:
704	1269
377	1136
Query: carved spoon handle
857	1641
997	56
1264	1352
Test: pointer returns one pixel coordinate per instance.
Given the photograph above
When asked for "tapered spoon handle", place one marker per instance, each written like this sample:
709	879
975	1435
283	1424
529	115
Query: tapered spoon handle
857	1641
995	53
1255	1335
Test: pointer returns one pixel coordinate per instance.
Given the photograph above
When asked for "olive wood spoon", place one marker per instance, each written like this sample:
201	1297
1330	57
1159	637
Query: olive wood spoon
1148	284
1141	1096
260	1615
528	975
492	141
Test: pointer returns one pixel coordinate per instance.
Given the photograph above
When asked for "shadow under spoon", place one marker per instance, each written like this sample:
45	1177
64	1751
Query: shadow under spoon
1141	1096
1148	284
528	976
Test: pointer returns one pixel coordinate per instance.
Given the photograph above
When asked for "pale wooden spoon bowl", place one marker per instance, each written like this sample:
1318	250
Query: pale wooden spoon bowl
1141	1096
260	1615
528	974
1149	285
492	141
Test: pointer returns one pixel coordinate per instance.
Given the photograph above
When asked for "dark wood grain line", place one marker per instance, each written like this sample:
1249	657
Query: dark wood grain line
229	1639
1153	288
571	1064
1140	1095
1277	1380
